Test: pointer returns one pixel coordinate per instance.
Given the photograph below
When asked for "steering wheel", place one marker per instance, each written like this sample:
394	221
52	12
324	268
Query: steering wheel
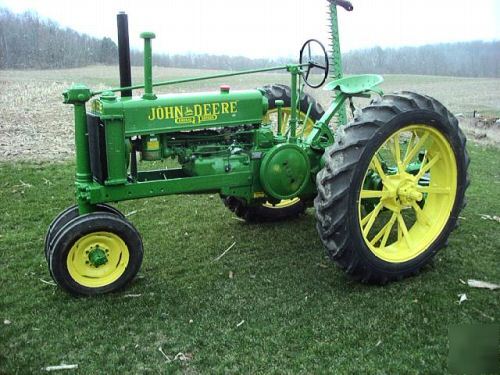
306	54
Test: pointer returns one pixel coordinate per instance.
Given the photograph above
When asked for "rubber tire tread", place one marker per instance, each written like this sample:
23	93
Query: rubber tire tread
66	216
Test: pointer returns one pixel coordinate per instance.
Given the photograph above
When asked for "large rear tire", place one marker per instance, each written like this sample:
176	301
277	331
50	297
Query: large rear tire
289	208
392	188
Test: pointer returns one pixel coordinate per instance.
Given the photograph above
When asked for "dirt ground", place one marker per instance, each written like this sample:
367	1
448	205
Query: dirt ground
35	125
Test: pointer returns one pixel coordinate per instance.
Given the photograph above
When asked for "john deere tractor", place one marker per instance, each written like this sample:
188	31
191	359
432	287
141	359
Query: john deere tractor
387	185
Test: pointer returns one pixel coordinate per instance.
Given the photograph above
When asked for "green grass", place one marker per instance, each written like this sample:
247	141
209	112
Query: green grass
300	312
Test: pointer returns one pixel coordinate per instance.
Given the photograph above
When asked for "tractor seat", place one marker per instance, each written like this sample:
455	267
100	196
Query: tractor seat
357	84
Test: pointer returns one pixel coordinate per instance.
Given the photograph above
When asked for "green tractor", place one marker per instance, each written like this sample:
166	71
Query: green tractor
387	186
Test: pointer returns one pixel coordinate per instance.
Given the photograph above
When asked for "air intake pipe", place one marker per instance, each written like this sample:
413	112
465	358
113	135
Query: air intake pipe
148	66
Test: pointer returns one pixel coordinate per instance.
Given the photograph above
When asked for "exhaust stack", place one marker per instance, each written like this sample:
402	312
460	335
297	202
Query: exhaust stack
124	53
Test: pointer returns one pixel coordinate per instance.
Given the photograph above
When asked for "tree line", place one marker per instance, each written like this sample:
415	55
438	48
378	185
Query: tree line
29	42
465	59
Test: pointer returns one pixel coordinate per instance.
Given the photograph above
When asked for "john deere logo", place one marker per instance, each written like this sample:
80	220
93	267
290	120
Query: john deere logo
194	114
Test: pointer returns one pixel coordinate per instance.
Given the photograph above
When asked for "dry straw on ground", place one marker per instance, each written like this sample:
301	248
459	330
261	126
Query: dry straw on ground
36	126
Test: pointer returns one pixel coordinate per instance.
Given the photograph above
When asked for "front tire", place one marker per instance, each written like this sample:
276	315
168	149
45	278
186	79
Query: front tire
65	217
95	253
392	188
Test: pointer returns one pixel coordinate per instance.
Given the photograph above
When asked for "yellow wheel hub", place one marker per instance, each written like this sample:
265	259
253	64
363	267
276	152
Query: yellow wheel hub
410	211
97	259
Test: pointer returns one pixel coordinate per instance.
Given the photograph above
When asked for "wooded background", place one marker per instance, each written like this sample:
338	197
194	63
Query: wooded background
29	42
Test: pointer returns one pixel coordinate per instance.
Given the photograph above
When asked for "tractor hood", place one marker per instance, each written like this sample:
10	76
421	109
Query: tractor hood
177	112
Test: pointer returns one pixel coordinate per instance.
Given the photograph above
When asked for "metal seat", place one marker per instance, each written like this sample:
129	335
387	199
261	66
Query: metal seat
357	84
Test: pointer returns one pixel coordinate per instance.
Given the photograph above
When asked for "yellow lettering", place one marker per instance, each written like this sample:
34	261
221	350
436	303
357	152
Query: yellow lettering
202	112
206	109
215	108
169	112
160	113
152	115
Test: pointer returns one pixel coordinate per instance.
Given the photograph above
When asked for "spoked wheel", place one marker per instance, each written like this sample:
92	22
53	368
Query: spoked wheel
95	253
392	188
288	208
305	124
409	201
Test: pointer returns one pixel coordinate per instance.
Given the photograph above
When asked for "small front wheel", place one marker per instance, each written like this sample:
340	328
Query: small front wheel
95	253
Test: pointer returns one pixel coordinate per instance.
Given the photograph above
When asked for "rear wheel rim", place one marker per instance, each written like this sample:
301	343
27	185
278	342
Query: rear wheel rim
97	259
282	204
304	127
403	217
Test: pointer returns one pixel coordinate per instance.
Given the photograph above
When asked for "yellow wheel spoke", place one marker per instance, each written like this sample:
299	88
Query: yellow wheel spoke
284	123
410	155
396	151
404	230
426	166
385	230
421	215
304	124
388	230
372	194
366	218
433	190
373	216
378	167
409	146
422	164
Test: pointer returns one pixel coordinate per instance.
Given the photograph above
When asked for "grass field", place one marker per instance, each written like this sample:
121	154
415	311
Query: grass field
286	308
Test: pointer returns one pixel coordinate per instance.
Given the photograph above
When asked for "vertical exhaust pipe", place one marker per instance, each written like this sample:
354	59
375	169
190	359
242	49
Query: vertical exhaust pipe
124	53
